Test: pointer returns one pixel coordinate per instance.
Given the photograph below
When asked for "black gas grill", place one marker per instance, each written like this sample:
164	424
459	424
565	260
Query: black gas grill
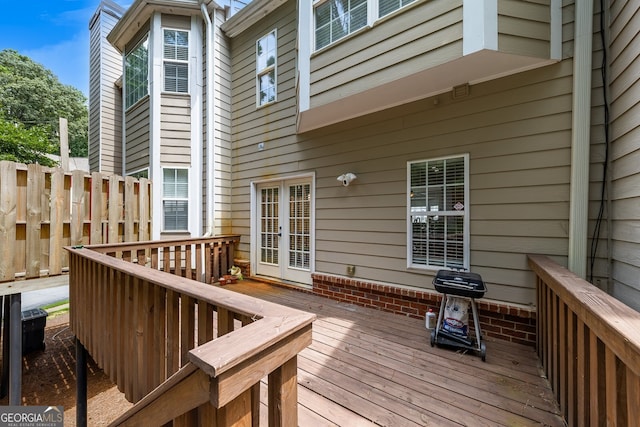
462	284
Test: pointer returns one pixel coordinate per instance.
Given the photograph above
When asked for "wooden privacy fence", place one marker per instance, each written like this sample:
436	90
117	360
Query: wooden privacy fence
183	350
44	209
589	345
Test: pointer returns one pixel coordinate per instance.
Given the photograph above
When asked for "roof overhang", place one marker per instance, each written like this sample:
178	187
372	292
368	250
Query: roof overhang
471	69
249	15
139	13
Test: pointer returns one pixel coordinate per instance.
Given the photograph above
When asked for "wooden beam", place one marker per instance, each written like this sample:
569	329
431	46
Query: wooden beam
184	391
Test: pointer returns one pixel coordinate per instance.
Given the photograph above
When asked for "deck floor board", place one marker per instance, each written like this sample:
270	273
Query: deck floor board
367	367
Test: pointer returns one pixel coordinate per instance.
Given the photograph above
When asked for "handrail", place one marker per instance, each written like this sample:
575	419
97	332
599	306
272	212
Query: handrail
204	259
143	325
589	345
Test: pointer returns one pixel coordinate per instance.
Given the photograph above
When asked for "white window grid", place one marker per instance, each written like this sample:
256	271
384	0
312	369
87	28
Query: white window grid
136	73
175	198
438	213
175	54
266	69
333	20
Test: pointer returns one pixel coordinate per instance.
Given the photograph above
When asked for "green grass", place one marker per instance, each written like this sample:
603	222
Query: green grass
57	308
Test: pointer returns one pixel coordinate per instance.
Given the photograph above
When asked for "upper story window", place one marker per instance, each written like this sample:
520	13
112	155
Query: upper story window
266	63
438	214
136	73
175	199
176	61
335	19
385	7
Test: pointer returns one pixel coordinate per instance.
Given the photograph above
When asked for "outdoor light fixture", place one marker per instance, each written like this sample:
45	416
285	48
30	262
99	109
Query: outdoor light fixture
346	178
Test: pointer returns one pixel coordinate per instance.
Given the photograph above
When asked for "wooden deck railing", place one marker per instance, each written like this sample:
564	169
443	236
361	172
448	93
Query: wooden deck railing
589	345
184	350
203	259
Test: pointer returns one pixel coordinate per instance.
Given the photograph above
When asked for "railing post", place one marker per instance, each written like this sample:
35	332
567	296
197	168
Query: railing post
283	395
15	351
4	387
236	413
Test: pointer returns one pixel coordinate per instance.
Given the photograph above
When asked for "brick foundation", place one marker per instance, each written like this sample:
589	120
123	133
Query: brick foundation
502	321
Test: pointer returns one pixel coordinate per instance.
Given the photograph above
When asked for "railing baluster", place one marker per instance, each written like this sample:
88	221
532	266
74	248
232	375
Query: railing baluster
611	388
594	379
633	395
187	329
582	392
159	330
120	329
173	332
128	338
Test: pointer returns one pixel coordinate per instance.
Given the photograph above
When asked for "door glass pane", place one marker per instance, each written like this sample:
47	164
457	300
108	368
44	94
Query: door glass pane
299	230
270	225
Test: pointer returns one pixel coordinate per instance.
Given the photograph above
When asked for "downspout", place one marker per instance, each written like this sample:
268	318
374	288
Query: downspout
580	138
209	121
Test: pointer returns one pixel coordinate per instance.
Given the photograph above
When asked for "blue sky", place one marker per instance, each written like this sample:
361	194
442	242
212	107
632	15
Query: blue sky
54	33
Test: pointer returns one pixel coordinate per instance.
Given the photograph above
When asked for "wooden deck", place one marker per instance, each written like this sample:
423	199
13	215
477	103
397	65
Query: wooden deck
367	367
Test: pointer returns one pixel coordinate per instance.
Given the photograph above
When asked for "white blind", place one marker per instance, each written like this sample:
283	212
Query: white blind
437	212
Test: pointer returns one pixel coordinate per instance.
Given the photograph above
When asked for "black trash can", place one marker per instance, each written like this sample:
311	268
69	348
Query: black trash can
33	323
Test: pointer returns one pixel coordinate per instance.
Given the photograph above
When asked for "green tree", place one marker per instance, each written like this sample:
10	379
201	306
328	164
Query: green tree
32	95
18	144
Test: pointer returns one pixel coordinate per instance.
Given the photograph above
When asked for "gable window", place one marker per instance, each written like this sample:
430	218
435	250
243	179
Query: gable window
385	7
266	62
335	19
176	61
438	215
175	199
136	73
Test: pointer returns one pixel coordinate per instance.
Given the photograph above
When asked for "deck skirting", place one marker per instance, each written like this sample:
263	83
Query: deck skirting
498	320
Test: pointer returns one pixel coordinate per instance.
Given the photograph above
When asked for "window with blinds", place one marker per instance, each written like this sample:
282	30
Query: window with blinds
335	19
266	63
176	60
175	199
438	232
136	73
385	7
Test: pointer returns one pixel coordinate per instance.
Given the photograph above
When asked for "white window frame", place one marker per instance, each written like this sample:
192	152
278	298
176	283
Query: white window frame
140	173
266	70
185	199
142	89
175	61
371	9
377	2
428	212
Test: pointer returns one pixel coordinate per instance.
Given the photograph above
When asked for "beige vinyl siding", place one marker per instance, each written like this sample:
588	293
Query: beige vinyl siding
105	100
625	151
222	137
413	40
517	131
95	34
273	124
137	136
175	130
524	27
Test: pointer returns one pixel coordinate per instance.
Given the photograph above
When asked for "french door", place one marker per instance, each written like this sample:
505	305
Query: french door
284	222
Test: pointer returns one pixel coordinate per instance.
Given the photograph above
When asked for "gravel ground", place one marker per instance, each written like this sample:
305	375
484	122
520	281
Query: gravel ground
48	378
